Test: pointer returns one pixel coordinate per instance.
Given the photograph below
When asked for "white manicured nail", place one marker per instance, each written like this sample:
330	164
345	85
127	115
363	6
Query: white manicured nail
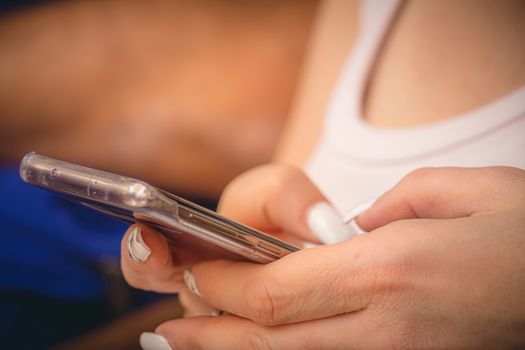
216	313
153	341
190	282
137	248
350	217
307	245
358	210
355	227
327	225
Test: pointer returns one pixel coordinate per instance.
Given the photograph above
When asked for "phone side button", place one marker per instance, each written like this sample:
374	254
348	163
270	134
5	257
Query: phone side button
269	248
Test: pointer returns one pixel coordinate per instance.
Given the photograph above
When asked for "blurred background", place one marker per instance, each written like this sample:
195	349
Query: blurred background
182	94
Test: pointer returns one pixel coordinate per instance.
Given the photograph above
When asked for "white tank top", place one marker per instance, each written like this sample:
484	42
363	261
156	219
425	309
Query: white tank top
354	162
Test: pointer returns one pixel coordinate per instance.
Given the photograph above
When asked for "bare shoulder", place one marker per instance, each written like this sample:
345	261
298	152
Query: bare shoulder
440	59
444	58
331	39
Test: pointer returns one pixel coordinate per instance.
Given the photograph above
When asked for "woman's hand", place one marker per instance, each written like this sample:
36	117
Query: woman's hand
270	198
441	268
148	262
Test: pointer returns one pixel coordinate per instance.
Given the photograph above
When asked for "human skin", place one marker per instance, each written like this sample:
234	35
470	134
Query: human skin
441	267
415	80
439	60
166	91
406	328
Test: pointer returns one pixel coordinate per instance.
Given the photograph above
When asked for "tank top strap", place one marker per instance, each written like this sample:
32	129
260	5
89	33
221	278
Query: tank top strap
348	135
374	19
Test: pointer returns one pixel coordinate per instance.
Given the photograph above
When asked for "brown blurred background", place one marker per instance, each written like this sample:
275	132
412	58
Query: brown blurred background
162	89
184	94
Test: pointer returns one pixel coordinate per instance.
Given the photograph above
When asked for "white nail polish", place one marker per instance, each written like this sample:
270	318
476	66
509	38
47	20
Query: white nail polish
216	313
153	341
355	228
307	245
137	248
190	282
327	225
358	210
350	217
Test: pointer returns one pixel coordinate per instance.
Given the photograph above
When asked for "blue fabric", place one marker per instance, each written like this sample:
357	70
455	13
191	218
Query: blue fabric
53	246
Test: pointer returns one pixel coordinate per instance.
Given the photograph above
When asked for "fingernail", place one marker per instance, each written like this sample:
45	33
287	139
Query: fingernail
190	282
354	226
137	248
350	218
216	313
327	225
308	245
153	341
358	210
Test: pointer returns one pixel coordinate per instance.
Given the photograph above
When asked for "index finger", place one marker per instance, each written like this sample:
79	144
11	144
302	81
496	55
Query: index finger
280	197
309	284
445	193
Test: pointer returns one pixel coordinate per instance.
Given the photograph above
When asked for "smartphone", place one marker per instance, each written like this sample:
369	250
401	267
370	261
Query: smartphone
184	223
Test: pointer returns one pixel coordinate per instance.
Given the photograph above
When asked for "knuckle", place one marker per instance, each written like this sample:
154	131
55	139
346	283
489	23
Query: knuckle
418	175
229	195
288	172
396	274
264	300
396	263
278	176
283	175
414	184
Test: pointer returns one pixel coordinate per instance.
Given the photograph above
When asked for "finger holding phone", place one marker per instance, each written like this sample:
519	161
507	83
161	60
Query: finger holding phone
441	267
285	204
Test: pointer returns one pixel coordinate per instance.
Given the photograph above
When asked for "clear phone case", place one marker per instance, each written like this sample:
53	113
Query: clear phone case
200	230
